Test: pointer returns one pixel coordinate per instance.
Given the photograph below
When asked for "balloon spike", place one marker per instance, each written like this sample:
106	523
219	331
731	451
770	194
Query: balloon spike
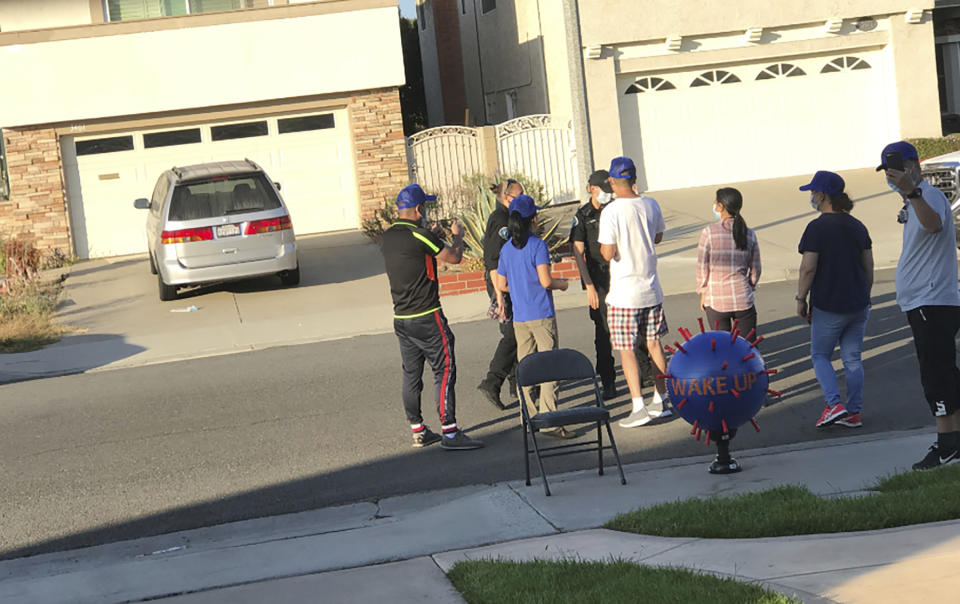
716	325
700	320
751	334
680	348
774	392
710	408
723	423
748	357
698	435
756	426
713	345
664	376
769	371
696	423
734	326
755	342
686	334
734	392
734	334
708	438
724	366
681	404
668	349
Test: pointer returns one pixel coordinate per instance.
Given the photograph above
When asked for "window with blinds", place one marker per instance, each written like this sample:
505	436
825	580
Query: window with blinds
4	179
125	10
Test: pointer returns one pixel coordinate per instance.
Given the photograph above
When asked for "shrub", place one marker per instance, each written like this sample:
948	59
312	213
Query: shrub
21	259
381	220
932	147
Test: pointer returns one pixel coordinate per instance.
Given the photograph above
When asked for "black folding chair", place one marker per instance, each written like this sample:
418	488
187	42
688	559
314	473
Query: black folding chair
556	366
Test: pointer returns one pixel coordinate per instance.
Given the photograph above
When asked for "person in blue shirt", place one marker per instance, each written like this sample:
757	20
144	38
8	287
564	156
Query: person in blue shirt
837	272
524	271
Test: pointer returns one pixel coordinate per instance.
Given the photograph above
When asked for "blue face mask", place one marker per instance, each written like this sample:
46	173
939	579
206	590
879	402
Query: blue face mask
895	188
813	204
716	214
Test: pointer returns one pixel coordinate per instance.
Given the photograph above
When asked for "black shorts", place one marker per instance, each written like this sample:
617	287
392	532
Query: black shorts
934	335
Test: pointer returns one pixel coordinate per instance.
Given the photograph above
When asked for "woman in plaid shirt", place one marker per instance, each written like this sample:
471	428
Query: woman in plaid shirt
728	266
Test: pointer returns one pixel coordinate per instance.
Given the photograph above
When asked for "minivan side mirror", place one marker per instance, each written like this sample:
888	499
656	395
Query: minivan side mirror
142	204
277	185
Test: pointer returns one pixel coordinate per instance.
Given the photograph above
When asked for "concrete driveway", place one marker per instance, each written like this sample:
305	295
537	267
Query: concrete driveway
344	291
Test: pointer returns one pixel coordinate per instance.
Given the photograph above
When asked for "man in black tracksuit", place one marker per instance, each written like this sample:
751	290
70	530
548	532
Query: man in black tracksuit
410	253
503	365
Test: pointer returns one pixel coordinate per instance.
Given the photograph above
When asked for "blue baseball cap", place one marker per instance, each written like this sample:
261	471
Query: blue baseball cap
411	196
622	167
524	205
825	182
905	149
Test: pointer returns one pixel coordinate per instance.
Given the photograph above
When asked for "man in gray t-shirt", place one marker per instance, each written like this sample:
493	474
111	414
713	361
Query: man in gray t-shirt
927	292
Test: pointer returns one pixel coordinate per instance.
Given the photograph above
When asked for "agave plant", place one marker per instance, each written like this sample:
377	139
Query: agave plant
475	219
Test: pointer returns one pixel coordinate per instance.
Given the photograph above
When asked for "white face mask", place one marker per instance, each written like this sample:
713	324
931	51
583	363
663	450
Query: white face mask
813	204
604	198
716	214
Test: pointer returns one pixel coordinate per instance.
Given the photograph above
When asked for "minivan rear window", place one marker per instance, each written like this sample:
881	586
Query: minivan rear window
223	196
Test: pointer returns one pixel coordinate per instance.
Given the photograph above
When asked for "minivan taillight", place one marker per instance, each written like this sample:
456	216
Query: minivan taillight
187	235
269	225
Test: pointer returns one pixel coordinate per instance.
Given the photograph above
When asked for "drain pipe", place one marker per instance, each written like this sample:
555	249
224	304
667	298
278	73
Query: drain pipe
578	94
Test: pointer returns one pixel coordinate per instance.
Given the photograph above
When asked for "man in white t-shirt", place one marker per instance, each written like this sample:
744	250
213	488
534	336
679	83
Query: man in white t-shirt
630	227
927	293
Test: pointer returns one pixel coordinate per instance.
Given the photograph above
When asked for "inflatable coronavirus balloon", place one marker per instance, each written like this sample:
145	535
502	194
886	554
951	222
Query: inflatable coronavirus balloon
717	381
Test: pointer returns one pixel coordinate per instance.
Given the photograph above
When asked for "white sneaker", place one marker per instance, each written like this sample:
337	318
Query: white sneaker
636	418
661	412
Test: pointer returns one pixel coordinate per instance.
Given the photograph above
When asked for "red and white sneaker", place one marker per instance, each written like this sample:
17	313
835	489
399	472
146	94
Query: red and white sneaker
851	420
831	413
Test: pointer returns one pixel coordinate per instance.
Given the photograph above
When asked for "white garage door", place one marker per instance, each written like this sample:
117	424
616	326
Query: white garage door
746	122
310	155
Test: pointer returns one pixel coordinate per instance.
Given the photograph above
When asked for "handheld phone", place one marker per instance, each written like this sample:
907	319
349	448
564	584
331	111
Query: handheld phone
893	161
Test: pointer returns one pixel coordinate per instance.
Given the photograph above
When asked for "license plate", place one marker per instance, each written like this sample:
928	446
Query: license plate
228	230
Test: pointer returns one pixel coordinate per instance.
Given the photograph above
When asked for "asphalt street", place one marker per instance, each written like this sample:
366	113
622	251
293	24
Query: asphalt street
114	455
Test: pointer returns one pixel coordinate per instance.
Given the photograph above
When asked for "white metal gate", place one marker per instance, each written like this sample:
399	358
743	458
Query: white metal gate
440	158
542	147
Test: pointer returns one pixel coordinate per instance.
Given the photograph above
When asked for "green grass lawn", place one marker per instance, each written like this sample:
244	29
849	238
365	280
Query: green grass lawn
900	500
569	581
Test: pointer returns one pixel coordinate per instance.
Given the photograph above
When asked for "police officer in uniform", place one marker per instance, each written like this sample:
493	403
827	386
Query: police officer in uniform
410	252
503	365
595	277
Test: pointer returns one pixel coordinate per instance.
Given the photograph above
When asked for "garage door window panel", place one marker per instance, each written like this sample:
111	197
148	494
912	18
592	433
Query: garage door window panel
649	85
714	78
126	10
780	70
112	144
222	197
845	64
306	123
235	131
171	138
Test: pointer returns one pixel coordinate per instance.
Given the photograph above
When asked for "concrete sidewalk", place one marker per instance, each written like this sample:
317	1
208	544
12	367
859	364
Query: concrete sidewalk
344	292
397	549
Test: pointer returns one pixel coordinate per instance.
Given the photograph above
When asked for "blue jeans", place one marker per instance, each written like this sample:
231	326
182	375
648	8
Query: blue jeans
826	329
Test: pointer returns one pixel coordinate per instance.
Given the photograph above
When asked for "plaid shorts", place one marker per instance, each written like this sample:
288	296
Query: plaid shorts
628	324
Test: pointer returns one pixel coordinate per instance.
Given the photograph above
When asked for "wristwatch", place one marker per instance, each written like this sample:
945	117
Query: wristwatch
799	299
915	194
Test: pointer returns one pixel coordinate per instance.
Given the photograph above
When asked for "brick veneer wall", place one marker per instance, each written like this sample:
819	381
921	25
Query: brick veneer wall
380	146
37	208
455	284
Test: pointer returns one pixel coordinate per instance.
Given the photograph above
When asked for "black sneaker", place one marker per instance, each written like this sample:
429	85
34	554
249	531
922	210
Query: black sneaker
491	394
935	458
424	438
719	467
460	442
610	391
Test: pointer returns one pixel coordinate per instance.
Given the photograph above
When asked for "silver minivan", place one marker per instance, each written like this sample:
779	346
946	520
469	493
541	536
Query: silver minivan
218	222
